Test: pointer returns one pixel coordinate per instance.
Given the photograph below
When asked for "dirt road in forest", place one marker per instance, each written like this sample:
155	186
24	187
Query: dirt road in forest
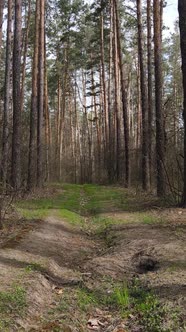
55	255
56	252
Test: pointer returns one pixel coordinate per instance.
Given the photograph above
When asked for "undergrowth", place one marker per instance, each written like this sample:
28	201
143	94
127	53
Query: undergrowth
138	306
12	302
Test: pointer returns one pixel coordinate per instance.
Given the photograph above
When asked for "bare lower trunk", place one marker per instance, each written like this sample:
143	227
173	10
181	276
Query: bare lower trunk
2	2
150	101
16	137
7	95
160	153
182	19
144	103
40	112
34	103
25	55
124	101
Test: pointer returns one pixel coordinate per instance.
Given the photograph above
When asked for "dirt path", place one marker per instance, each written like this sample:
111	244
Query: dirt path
55	255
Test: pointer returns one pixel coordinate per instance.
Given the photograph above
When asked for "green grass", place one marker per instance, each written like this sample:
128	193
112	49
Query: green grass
119	298
148	219
126	301
86	299
75	201
33	213
12	302
31	267
70	216
5	324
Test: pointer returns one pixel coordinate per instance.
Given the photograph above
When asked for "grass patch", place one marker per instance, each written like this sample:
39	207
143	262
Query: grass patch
5	324
137	305
100	226
33	213
12	302
70	216
148	219
119	299
86	299
74	202
34	267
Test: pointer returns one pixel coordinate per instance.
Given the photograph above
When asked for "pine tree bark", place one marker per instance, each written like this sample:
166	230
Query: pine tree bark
16	137
110	165
160	151
47	116
40	112
7	95
150	100
105	103
25	51
116	92
182	26
90	162
34	103
124	101
58	122
144	102
2	2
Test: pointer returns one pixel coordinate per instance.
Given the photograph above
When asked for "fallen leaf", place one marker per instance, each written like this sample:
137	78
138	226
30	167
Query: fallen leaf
99	312
95	328
94	324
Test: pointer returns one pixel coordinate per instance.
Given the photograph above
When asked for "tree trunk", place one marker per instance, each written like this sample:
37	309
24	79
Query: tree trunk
105	103
40	112
2	2
160	152
144	102
34	103
150	101
25	55
116	91
16	137
182	25
47	117
124	101
7	95
110	136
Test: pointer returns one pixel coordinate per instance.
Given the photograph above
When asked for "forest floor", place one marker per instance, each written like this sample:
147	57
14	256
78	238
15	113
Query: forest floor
81	258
